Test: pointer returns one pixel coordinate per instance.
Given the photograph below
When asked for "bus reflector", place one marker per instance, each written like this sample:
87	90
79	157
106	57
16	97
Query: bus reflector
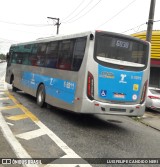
77	98
96	104
90	86
144	91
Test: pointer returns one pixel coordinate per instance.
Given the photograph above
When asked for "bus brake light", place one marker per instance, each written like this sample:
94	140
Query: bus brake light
144	91
90	86
154	97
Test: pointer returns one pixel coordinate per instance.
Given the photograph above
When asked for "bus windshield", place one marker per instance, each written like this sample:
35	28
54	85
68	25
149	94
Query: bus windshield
120	51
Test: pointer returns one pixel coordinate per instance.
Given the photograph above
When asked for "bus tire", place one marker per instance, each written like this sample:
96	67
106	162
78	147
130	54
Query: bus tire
14	89
41	96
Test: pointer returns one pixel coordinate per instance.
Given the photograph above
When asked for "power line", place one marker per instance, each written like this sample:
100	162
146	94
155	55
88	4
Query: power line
117	14
156	21
138	26
134	28
74	10
86	12
23	24
79	12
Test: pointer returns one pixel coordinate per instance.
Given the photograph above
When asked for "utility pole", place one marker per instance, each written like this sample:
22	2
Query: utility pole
150	21
57	24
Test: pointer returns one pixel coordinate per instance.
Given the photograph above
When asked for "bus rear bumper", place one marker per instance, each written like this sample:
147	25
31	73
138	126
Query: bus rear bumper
97	107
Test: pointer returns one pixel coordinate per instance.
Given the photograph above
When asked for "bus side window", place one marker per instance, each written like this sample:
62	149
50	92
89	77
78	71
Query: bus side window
14	58
19	58
78	54
41	54
52	55
65	54
25	58
32	59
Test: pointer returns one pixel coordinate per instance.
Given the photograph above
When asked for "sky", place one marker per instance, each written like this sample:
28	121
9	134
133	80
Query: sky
26	20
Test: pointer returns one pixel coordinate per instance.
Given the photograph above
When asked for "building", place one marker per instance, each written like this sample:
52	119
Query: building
155	56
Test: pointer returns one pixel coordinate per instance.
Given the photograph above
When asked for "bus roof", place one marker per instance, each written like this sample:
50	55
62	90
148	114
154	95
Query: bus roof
70	36
57	37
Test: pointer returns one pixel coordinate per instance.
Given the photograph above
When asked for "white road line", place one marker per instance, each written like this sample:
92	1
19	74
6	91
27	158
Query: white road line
21	152
10	124
31	134
3	89
16	146
4	98
57	140
3	77
70	153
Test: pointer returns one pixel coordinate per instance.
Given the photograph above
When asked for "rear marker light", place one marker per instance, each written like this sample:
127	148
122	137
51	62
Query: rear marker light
96	105
77	98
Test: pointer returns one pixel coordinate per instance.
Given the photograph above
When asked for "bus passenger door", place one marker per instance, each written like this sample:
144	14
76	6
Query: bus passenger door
8	68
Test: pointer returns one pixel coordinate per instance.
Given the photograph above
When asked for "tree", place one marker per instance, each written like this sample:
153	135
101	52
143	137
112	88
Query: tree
2	56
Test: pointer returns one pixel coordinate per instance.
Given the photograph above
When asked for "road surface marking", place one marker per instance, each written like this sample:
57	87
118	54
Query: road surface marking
10	124
24	109
2	93
4	98
31	134
4	89
45	130
17	117
57	140
8	107
16	146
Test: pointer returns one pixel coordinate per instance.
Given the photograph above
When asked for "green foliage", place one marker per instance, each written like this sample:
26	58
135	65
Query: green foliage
2	56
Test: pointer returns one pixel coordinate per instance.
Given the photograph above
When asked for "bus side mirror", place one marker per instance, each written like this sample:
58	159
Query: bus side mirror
91	36
7	56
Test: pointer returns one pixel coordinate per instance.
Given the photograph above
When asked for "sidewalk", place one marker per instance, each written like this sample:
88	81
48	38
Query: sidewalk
152	119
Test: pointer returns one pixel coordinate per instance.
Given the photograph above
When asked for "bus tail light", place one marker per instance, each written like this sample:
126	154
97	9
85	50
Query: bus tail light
90	86
154	97
144	91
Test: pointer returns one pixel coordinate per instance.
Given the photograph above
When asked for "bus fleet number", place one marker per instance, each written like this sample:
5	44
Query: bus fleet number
122	44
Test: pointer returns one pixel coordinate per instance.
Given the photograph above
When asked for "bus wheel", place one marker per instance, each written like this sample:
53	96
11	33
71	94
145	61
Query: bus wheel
41	96
14	89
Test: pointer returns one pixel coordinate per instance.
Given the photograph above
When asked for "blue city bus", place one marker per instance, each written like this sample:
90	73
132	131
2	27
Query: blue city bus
94	72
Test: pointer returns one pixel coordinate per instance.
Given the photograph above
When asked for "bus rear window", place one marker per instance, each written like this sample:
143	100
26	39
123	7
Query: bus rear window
121	51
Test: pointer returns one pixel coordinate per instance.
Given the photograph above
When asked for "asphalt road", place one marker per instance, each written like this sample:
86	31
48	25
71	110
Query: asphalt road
89	136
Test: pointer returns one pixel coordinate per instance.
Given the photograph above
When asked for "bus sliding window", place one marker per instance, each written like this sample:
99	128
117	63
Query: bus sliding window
65	54
52	55
78	53
41	54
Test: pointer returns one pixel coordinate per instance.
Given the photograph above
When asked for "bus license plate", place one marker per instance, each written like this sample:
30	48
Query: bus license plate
119	95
